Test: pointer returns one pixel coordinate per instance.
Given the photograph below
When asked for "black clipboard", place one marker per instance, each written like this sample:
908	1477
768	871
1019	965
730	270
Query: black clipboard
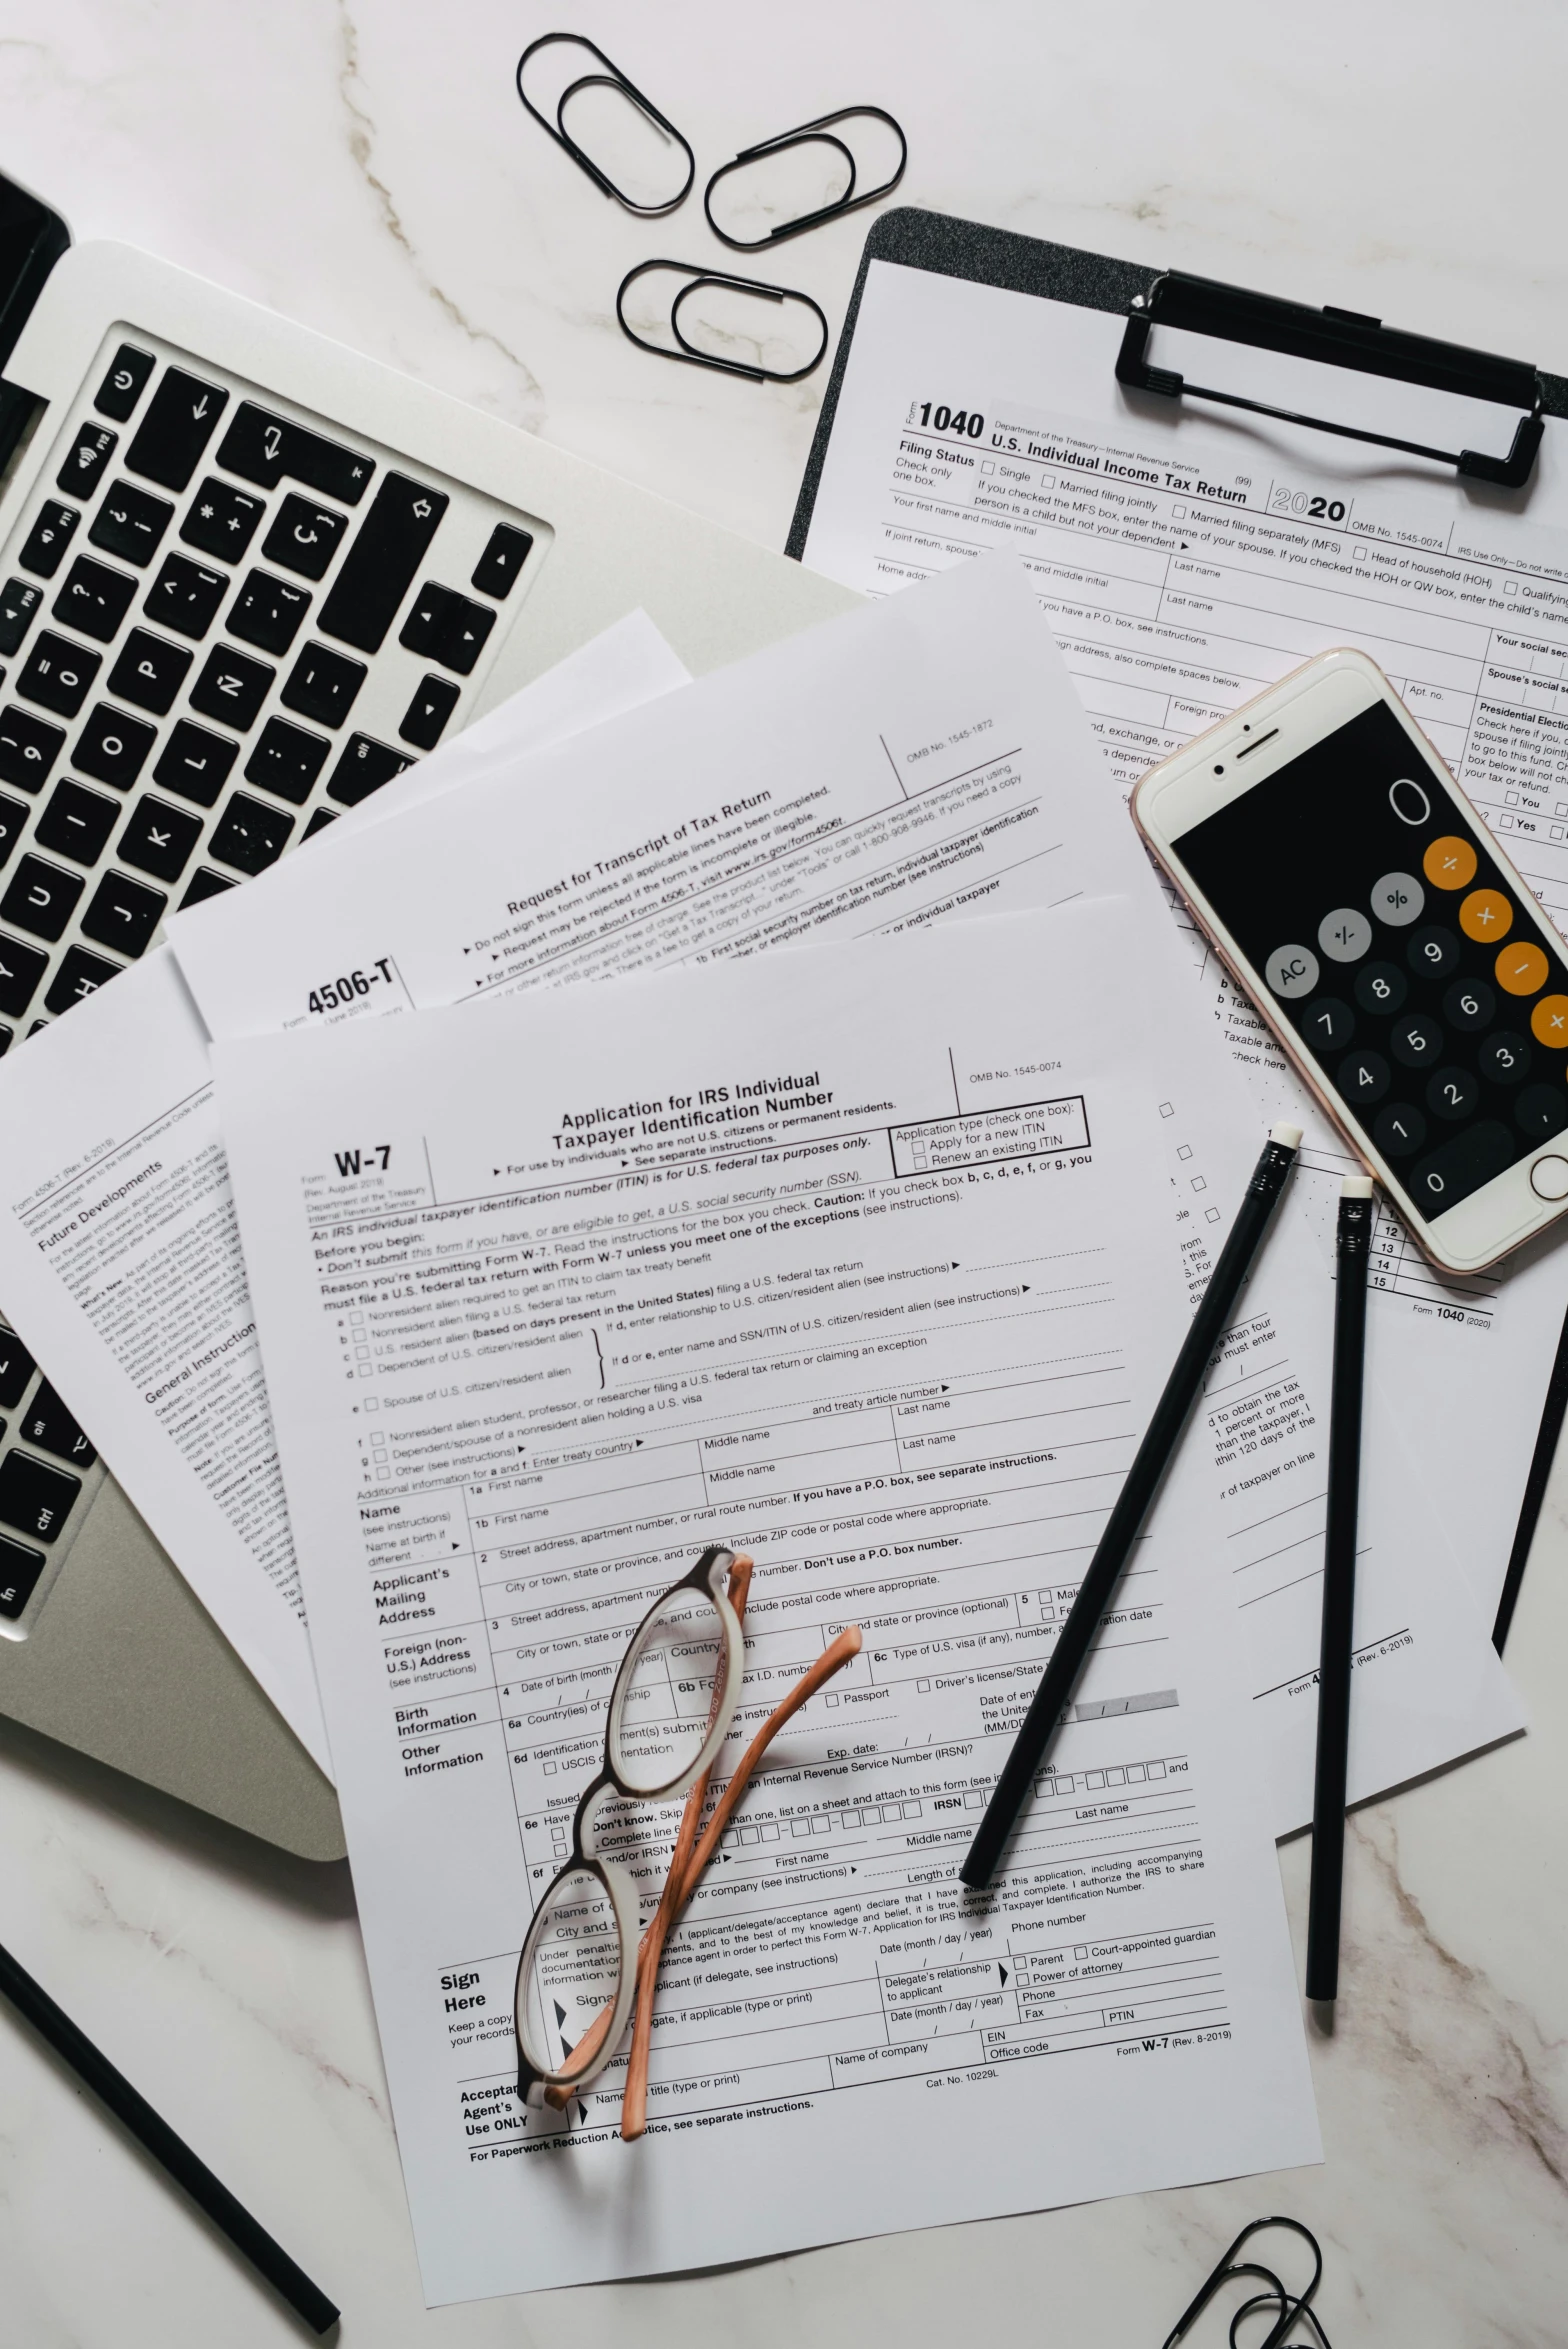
949	247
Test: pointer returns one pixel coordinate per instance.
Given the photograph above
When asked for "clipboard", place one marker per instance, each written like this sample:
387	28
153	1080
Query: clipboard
1145	297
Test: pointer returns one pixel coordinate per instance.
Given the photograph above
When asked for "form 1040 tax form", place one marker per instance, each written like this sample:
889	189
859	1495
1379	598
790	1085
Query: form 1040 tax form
1186	560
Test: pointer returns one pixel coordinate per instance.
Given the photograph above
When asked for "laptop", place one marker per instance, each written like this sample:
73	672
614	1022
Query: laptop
246	577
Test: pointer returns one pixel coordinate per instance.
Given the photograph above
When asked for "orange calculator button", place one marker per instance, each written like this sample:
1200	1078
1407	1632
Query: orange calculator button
1487	916
1521	968
1449	863
1549	1021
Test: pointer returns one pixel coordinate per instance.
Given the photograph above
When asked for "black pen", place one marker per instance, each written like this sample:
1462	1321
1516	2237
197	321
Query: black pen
1133	1503
1352	1244
209	2193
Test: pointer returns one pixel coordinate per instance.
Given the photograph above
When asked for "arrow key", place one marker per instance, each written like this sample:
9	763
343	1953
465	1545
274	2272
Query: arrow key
176	429
159	839
429	711
123	915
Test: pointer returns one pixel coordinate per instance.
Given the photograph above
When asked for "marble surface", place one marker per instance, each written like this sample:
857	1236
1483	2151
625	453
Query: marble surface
364	165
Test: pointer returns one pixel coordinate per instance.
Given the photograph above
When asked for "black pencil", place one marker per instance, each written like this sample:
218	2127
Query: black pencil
1352	1243
1133	1503
114	2090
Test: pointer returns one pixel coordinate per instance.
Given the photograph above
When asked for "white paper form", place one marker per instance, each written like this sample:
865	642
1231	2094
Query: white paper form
884	1298
607	867
119	1260
1185	562
888	768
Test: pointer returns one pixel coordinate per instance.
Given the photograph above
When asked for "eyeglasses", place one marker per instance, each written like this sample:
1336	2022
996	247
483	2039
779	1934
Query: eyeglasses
671	1709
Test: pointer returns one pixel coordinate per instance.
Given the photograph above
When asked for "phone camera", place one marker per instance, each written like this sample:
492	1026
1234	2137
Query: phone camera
1219	770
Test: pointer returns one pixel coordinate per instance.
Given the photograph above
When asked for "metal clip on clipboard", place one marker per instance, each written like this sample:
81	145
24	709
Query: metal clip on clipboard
1336	338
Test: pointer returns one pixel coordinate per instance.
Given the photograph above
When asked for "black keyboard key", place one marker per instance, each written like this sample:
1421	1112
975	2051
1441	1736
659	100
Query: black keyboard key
33	1498
159	839
231	688
21	968
204	885
13	822
16	1368
266	449
501	561
287	760
304	537
28	748
49	1427
77	823
94	599
249	836
380	566
58	674
444	626
186	595
222	520
80	974
321	817
363	768
149	671
41	898
84	467
130	523
176	429
113	748
322	685
267	612
6	1040
125	382
195	763
48	539
123	914
17	606
19	1572
425	719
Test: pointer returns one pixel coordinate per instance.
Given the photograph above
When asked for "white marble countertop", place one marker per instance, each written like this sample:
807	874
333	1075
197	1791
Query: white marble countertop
364	166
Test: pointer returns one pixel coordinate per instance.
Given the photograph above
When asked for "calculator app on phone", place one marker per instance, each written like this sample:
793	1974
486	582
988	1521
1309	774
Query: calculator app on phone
1407	960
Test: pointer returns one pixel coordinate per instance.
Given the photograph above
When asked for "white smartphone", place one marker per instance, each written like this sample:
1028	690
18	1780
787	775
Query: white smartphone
1402	962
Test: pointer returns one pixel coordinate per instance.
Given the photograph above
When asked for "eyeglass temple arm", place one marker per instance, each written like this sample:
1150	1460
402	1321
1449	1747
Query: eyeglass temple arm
634	2098
737	1587
679	1887
833	1659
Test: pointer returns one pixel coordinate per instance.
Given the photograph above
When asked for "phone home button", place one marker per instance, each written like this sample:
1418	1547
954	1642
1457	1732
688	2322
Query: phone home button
1549	1178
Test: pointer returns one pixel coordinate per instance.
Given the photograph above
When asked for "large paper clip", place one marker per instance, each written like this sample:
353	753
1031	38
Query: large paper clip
808	134
688	351
1294	2307
611	78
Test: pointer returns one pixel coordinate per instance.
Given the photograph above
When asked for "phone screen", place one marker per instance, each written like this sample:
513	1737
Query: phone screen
1391	940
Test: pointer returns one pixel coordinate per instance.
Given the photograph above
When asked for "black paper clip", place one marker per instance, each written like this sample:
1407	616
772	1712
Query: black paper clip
808	134
689	352
1293	2307
612	78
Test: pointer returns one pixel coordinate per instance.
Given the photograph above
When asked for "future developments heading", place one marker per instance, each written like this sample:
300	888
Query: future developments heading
715	1105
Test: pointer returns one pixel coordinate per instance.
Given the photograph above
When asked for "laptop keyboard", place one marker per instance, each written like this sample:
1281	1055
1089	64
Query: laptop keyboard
222	622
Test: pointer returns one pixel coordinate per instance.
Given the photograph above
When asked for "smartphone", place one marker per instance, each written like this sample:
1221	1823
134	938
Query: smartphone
1403	963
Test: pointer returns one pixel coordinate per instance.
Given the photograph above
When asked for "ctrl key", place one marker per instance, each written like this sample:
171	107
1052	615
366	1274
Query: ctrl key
33	1498
19	1572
